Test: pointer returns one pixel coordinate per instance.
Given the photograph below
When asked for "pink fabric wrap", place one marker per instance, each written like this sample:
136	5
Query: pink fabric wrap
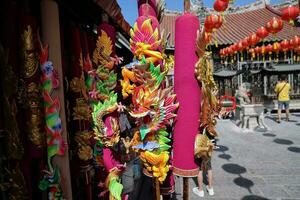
146	10
109	159
111	32
188	96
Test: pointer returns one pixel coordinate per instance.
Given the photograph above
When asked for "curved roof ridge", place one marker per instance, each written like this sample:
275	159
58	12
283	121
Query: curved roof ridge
273	10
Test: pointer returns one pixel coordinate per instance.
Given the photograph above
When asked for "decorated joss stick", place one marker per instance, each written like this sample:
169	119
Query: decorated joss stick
187	121
101	83
153	106
55	143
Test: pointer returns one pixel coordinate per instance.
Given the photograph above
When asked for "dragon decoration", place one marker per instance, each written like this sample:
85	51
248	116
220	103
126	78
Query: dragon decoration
101	82
152	104
209	105
55	143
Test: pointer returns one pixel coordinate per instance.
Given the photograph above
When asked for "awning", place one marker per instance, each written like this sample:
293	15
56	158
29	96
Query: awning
224	73
283	68
113	9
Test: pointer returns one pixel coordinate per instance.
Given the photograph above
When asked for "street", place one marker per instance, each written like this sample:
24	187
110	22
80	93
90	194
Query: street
255	165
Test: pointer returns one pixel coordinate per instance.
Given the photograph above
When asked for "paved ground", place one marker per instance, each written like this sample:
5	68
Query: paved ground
255	165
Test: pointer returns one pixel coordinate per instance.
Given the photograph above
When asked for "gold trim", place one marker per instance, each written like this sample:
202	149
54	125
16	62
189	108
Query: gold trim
185	173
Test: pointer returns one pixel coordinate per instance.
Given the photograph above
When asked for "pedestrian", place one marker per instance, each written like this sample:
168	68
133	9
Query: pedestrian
204	166
203	152
282	89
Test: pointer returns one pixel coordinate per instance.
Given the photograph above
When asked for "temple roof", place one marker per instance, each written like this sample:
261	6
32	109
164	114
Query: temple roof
237	26
113	9
225	73
283	68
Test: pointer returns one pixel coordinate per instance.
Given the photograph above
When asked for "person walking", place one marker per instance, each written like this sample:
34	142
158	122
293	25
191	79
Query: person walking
204	165
282	90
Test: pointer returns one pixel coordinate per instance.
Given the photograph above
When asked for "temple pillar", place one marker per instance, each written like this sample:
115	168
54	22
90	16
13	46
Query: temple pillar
51	36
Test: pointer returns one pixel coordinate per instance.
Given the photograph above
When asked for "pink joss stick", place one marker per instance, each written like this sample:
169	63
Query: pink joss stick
188	96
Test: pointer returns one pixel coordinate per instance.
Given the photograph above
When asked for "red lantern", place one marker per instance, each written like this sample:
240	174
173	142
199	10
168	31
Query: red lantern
257	50
230	51
220	6
212	22
297	49
295	42
240	46
252	52
234	48
253	39
221	52
245	42
275	25
290	14
285	45
269	48
262	32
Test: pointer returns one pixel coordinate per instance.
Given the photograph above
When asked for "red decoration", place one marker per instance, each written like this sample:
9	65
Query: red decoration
212	22
240	46
253	39
220	6
297	49
269	48
222	53
252	52
245	42
256	50
295	42
275	25
225	51
229	50
285	45
290	14
262	32
234	48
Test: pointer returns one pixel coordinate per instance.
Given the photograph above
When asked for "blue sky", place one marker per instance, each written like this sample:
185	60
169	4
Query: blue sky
129	7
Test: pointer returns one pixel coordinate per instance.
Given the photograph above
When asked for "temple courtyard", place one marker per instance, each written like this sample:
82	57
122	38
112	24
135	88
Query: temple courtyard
255	165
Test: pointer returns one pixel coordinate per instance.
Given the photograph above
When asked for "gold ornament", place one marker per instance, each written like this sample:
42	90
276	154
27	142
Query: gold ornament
82	139
103	51
77	84
169	62
85	153
203	147
30	56
82	110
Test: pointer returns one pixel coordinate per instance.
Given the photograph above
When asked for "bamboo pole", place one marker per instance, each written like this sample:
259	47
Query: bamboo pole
185	188
157	189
